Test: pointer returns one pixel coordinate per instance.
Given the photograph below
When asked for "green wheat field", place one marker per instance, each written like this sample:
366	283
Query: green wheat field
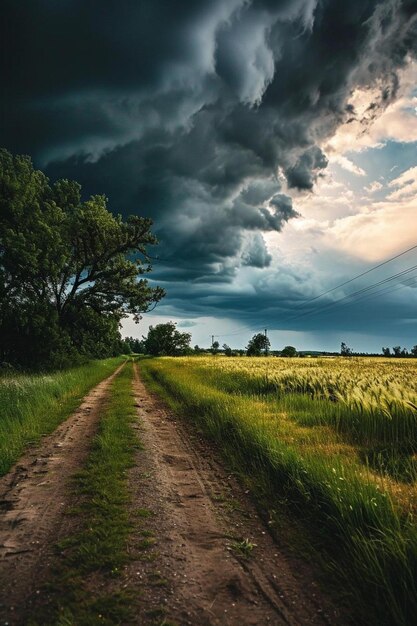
333	438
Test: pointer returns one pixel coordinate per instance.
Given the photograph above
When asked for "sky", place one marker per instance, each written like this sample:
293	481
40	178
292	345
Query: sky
272	142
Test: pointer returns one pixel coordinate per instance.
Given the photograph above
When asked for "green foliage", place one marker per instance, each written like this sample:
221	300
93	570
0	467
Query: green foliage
166	340
344	350
289	351
69	270
215	347
32	406
135	345
257	345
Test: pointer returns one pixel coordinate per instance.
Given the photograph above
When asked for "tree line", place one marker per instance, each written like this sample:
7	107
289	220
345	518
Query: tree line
397	352
166	340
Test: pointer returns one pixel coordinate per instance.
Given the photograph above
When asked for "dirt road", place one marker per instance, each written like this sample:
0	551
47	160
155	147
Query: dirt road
217	559
199	553
34	498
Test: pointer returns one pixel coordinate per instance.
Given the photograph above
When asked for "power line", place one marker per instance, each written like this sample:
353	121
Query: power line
406	283
351	295
346	282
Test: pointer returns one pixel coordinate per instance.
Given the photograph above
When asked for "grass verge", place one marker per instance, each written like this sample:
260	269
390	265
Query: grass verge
85	590
371	543
33	406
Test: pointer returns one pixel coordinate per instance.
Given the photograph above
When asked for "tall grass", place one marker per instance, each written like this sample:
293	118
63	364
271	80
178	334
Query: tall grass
286	442
32	406
374	399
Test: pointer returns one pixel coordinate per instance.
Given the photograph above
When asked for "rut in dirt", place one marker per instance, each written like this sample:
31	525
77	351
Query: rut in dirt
34	497
197	535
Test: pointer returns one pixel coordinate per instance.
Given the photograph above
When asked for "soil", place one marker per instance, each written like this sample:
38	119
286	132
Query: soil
213	560
34	497
200	555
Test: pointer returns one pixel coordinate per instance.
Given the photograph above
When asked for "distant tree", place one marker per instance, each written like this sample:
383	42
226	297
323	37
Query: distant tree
70	270
215	347
257	345
126	346
289	351
413	351
397	351
404	352
166	340
344	350
386	351
136	345
197	349
227	350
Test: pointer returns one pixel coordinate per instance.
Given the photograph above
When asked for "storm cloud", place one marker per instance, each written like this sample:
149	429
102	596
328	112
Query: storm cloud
199	114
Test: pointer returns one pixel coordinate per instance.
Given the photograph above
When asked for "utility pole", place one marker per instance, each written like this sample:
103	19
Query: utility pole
212	340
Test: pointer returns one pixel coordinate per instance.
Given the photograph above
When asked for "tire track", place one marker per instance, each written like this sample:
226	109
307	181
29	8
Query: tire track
34	497
209	583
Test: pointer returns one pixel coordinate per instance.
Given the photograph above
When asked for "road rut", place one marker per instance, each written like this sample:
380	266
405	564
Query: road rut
34	496
200	517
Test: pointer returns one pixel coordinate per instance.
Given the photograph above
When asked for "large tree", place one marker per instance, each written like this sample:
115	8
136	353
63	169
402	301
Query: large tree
257	345
166	340
69	269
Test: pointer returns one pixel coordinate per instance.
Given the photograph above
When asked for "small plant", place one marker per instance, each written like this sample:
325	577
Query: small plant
244	547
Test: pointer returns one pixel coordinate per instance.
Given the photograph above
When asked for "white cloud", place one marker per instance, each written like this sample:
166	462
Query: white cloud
407	185
347	164
374	186
397	123
381	230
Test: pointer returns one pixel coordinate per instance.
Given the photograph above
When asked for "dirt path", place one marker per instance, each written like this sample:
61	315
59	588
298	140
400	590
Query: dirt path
194	573
33	498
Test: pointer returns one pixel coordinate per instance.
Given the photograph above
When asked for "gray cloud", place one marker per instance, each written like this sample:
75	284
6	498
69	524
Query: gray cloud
195	112
256	253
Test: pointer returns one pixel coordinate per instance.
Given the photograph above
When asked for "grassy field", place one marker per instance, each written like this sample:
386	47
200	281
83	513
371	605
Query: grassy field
335	440
32	406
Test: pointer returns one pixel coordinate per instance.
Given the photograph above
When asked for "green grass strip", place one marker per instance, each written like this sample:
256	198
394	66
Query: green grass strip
92	558
34	405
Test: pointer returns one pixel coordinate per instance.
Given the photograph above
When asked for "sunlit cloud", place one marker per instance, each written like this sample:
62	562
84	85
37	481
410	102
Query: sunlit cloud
406	185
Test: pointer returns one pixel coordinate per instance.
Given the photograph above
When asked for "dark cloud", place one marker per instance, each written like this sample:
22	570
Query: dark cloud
186	324
303	174
197	113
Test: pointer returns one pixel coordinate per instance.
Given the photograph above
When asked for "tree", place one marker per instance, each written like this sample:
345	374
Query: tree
397	351
258	344
344	350
386	351
413	351
289	351
227	350
215	347
136	345
69	269
166	340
